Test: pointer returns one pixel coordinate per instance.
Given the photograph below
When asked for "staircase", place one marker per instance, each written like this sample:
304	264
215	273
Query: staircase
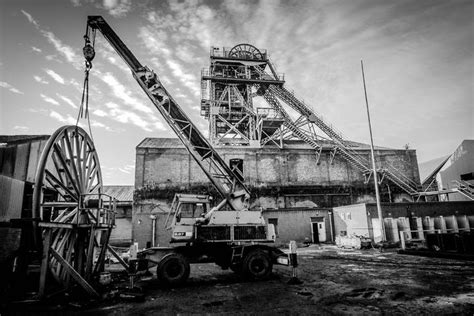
465	188
350	155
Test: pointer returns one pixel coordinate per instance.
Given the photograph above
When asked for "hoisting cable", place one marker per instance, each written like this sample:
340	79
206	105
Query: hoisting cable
89	54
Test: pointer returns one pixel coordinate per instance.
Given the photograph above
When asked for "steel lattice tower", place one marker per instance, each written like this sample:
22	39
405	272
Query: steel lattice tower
228	87
239	74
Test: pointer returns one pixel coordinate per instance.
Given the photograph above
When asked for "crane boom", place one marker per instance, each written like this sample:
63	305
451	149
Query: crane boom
215	168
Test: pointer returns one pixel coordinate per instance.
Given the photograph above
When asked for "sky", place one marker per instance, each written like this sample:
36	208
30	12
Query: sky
418	62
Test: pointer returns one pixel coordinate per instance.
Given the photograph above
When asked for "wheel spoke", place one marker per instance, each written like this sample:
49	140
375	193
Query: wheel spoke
50	177
72	162
62	160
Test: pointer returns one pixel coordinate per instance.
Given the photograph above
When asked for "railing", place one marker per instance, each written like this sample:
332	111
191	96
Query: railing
101	206
238	73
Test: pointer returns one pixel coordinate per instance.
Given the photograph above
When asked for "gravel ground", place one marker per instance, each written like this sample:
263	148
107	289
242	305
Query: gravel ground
335	282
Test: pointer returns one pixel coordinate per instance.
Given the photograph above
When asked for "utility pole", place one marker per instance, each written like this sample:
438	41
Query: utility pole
374	169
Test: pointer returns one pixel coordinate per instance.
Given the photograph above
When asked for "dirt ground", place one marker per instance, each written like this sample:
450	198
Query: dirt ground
335	282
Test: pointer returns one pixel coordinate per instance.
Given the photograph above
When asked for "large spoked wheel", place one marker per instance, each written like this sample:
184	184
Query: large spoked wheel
173	269
67	176
257	265
245	51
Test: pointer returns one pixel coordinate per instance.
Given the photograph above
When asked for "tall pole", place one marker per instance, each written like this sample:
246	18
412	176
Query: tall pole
374	169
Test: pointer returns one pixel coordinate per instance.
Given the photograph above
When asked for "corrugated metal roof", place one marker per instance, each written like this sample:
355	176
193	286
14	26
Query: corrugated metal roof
18	139
123	193
176	143
160	143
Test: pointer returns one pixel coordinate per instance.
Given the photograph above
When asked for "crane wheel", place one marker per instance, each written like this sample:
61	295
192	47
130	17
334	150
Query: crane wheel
173	269
257	265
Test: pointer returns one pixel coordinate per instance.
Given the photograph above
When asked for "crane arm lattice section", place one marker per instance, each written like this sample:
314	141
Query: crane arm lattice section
221	176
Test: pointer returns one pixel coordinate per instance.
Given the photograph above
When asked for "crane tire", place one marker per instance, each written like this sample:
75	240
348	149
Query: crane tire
173	269
257	265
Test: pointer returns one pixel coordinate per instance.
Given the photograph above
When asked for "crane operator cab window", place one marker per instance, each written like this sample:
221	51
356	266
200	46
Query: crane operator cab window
187	212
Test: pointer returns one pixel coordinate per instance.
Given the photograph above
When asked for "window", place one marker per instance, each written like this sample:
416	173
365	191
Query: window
349	216
274	221
191	210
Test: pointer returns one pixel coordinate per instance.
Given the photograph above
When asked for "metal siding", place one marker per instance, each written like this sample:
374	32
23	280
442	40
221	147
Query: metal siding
8	163
35	152
11	198
21	161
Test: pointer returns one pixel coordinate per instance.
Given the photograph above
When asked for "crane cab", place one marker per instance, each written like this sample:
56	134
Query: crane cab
186	209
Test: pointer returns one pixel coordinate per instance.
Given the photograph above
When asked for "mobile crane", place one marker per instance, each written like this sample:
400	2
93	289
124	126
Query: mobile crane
237	238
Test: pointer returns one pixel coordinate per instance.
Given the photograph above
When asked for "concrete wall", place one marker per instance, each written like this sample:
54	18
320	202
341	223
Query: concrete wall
277	178
351	220
142	223
295	224
422	209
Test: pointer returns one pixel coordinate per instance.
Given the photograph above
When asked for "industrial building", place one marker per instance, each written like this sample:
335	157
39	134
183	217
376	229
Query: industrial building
296	169
122	232
19	156
282	182
452	179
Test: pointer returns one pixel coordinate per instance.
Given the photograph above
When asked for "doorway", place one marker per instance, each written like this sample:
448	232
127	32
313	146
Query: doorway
318	231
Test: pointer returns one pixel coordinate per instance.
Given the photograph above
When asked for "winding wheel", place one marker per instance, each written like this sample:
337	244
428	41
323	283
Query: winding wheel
75	218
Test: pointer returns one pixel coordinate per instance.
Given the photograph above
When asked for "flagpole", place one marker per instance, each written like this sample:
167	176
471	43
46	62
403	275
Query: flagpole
374	169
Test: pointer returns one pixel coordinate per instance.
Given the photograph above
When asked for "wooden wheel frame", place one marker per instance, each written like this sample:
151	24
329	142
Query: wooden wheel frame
68	179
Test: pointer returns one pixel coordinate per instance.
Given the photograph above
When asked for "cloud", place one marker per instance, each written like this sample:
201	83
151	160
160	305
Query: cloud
61	48
40	79
69	120
30	19
189	80
76	3
67	100
49	100
63	119
124	116
36	49
123	94
20	128
100	113
115	112
11	88
128	169
55	76
117	8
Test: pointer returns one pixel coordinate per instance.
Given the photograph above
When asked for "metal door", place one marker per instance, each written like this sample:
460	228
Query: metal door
321	231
